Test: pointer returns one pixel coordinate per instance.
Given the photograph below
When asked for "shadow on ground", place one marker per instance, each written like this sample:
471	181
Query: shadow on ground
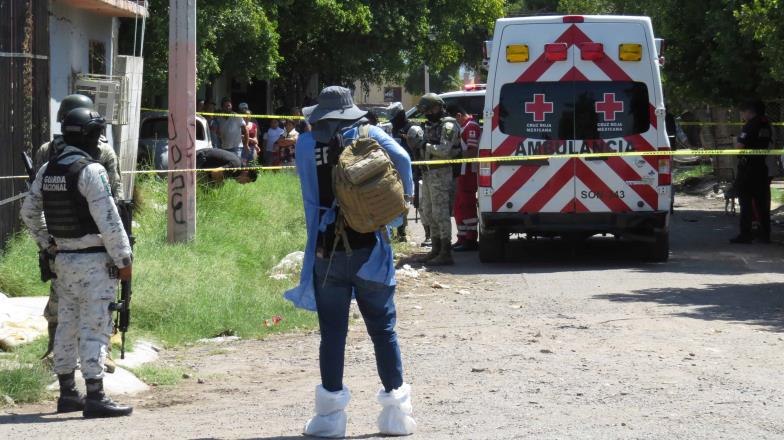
756	304
698	245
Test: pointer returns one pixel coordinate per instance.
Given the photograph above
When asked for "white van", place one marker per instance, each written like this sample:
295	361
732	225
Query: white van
561	85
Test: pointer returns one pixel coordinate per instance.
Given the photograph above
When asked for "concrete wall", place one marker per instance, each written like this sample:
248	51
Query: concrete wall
71	31
374	96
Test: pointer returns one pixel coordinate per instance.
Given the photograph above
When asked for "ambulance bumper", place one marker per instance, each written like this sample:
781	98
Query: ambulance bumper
596	222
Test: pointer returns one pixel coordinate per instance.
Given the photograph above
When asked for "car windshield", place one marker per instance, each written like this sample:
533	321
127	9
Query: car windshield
574	110
473	104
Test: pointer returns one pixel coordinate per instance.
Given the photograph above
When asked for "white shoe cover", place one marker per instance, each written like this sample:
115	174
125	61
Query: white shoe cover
330	418
395	417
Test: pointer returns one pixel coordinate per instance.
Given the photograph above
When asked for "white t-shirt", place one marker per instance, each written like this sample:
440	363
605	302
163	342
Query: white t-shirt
230	132
272	136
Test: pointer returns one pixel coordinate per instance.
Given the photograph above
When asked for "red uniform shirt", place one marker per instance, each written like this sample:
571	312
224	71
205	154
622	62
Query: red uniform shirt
470	133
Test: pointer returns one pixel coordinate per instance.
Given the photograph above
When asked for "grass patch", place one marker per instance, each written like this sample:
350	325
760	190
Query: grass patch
23	377
159	375
777	195
683	173
19	275
219	283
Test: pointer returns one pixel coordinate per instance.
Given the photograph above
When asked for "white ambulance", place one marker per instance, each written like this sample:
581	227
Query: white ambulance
562	85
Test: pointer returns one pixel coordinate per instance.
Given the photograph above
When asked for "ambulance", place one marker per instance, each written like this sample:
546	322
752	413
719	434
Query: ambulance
564	85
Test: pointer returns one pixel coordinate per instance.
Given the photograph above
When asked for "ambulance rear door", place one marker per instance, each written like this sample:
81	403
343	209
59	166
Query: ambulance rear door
533	114
617	89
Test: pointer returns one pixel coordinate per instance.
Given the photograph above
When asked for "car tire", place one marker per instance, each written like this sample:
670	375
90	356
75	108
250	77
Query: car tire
492	246
659	250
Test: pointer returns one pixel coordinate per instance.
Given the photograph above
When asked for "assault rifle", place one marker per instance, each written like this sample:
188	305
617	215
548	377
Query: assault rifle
44	256
123	304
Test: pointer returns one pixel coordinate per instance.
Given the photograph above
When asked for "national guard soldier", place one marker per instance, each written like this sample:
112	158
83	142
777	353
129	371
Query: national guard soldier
107	158
70	201
752	178
441	141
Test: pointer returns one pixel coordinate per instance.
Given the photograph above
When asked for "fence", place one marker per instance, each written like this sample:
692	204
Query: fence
24	95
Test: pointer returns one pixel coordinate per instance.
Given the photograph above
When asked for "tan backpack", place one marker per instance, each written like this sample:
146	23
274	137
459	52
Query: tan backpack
368	188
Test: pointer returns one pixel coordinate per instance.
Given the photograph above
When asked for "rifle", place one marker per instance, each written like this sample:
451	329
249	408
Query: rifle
416	197
123	304
44	256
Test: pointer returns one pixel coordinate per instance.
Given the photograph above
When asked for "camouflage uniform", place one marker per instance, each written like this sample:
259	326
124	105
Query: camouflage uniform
442	143
84	282
108	159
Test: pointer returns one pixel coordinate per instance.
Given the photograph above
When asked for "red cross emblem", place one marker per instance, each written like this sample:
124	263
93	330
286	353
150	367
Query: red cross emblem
609	107
539	107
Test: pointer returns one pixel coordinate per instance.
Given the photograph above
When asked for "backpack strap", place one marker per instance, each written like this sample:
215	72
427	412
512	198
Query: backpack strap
363	131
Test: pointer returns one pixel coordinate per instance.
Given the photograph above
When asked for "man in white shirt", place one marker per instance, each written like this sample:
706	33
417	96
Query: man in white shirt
232	130
270	137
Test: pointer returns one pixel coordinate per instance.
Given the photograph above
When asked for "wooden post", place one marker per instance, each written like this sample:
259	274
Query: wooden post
182	120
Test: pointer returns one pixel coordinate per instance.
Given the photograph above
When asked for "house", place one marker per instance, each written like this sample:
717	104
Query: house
48	49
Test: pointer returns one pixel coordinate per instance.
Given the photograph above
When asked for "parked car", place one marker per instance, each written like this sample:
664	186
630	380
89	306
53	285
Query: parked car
154	140
472	100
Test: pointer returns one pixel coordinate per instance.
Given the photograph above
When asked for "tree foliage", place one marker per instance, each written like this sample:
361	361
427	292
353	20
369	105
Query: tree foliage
342	41
237	37
718	51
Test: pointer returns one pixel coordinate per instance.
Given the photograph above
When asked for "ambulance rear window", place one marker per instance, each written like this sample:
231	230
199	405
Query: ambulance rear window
574	110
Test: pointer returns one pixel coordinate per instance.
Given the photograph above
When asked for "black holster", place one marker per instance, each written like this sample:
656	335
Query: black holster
45	265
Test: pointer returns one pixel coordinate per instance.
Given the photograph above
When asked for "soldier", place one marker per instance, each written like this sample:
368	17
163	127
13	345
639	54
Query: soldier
398	128
441	141
71	201
108	158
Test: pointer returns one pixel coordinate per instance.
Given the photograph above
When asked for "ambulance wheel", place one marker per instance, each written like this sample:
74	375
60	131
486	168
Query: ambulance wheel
659	250
492	246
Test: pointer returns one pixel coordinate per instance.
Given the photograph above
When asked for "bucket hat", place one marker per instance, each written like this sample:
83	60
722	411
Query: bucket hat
335	102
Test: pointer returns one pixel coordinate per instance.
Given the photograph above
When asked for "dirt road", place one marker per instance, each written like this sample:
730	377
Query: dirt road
561	343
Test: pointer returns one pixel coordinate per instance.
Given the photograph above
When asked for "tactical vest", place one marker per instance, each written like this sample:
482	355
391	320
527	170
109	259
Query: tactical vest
66	211
434	131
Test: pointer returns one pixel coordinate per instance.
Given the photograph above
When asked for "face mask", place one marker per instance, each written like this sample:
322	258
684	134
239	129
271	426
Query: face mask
433	117
91	145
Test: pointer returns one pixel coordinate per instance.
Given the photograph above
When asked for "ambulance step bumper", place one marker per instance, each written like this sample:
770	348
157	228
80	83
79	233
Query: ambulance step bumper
596	222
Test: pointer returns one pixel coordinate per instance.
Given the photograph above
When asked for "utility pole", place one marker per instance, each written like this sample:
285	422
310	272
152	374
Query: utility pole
427	80
182	121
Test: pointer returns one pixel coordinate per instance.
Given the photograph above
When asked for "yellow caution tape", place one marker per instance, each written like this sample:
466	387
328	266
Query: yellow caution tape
229	115
491	160
604	155
715	124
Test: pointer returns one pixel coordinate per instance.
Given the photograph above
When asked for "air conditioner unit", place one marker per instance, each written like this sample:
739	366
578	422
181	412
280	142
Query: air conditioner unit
109	93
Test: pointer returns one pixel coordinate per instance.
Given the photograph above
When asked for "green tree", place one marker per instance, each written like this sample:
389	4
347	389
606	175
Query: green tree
762	20
237	37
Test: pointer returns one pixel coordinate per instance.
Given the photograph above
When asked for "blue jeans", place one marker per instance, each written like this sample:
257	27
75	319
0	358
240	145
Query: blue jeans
376	303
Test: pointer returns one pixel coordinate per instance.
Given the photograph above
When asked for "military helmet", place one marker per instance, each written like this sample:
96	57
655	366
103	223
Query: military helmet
71	102
80	124
416	136
428	101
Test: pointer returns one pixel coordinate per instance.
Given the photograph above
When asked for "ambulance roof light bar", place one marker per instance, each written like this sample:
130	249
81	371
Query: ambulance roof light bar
591	51
555	51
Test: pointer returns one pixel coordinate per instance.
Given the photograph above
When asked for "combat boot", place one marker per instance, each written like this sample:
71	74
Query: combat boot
434	250
444	257
70	399
99	405
428	242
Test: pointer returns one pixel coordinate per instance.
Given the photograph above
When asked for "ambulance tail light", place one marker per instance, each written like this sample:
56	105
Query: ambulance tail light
630	52
573	19
665	171
555	51
485	169
591	51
